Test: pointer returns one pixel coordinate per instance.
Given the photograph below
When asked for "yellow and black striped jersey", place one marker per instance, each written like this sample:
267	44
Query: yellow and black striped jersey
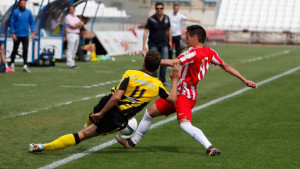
140	88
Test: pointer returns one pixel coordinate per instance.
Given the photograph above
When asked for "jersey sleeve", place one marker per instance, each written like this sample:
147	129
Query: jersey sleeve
169	23
124	82
183	17
163	93
188	56
216	60
148	24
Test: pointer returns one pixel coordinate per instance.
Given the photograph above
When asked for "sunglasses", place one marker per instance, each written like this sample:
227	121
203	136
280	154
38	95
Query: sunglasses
159	8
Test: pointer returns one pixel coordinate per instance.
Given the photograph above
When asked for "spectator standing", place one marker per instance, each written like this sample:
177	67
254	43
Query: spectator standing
73	25
157	26
20	22
176	19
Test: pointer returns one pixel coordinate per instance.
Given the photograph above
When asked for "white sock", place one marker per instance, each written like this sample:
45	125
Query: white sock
6	65
196	133
142	129
25	67
12	65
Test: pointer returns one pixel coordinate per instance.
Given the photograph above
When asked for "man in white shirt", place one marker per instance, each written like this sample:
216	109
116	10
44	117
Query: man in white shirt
176	18
73	25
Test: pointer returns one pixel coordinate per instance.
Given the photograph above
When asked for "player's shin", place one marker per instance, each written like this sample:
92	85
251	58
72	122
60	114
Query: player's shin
196	133
142	129
63	142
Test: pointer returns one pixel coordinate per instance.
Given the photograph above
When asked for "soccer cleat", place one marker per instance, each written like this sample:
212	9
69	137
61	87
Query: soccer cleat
12	66
9	70
127	143
74	67
33	148
213	152
26	70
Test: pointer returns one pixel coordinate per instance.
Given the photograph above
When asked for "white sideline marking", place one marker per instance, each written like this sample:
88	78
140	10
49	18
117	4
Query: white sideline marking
95	85
57	105
111	142
256	59
267	56
24	85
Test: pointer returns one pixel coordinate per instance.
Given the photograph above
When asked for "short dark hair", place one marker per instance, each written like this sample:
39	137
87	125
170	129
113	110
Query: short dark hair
71	6
152	60
159	3
197	30
175	5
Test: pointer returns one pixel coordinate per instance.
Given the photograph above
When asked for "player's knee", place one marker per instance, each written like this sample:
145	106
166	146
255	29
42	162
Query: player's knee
153	111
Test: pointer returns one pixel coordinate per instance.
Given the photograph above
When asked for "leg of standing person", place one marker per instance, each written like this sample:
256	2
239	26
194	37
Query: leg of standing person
72	46
14	52
171	50
76	47
25	41
3	59
176	40
164	52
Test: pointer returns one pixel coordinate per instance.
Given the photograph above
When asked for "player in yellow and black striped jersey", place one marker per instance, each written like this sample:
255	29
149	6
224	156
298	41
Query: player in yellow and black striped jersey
140	88
136	89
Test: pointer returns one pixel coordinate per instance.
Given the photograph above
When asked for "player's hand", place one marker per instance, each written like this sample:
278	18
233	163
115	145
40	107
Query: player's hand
143	52
171	46
96	117
33	35
145	48
175	73
14	37
250	83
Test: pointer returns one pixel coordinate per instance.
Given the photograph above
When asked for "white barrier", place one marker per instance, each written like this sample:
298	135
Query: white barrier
118	42
48	44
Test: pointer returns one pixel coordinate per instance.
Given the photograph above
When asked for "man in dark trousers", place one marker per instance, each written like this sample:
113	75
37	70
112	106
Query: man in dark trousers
20	22
157	26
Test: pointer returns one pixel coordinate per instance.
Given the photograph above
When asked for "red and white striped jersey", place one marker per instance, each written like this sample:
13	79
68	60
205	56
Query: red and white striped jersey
195	65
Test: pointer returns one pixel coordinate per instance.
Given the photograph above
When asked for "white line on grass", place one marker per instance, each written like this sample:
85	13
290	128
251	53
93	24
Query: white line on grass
95	85
57	105
27	85
256	58
111	142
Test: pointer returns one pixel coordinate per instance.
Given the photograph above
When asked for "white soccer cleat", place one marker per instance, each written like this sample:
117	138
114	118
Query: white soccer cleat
26	70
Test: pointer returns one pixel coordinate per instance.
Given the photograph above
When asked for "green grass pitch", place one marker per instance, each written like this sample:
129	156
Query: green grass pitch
256	129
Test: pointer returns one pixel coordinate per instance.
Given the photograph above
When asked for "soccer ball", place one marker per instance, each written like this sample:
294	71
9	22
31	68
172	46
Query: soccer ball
130	128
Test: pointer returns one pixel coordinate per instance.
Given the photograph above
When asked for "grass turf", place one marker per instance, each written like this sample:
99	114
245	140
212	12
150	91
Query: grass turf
257	129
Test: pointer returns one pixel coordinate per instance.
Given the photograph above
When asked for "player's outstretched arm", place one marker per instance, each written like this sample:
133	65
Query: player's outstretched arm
170	62
226	67
110	104
174	75
164	62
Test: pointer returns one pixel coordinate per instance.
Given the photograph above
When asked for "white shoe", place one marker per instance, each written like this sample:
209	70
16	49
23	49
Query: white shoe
12	66
26	70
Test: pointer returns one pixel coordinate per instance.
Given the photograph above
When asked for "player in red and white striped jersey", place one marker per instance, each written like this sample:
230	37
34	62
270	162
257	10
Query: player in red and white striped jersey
195	63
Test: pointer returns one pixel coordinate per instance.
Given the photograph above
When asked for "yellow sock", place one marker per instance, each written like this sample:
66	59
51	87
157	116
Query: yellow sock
62	142
88	121
93	54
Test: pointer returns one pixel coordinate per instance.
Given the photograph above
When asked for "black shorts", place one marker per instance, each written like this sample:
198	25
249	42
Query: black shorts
112	121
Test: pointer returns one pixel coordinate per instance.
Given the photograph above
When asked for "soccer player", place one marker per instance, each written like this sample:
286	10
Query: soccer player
136	89
195	63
